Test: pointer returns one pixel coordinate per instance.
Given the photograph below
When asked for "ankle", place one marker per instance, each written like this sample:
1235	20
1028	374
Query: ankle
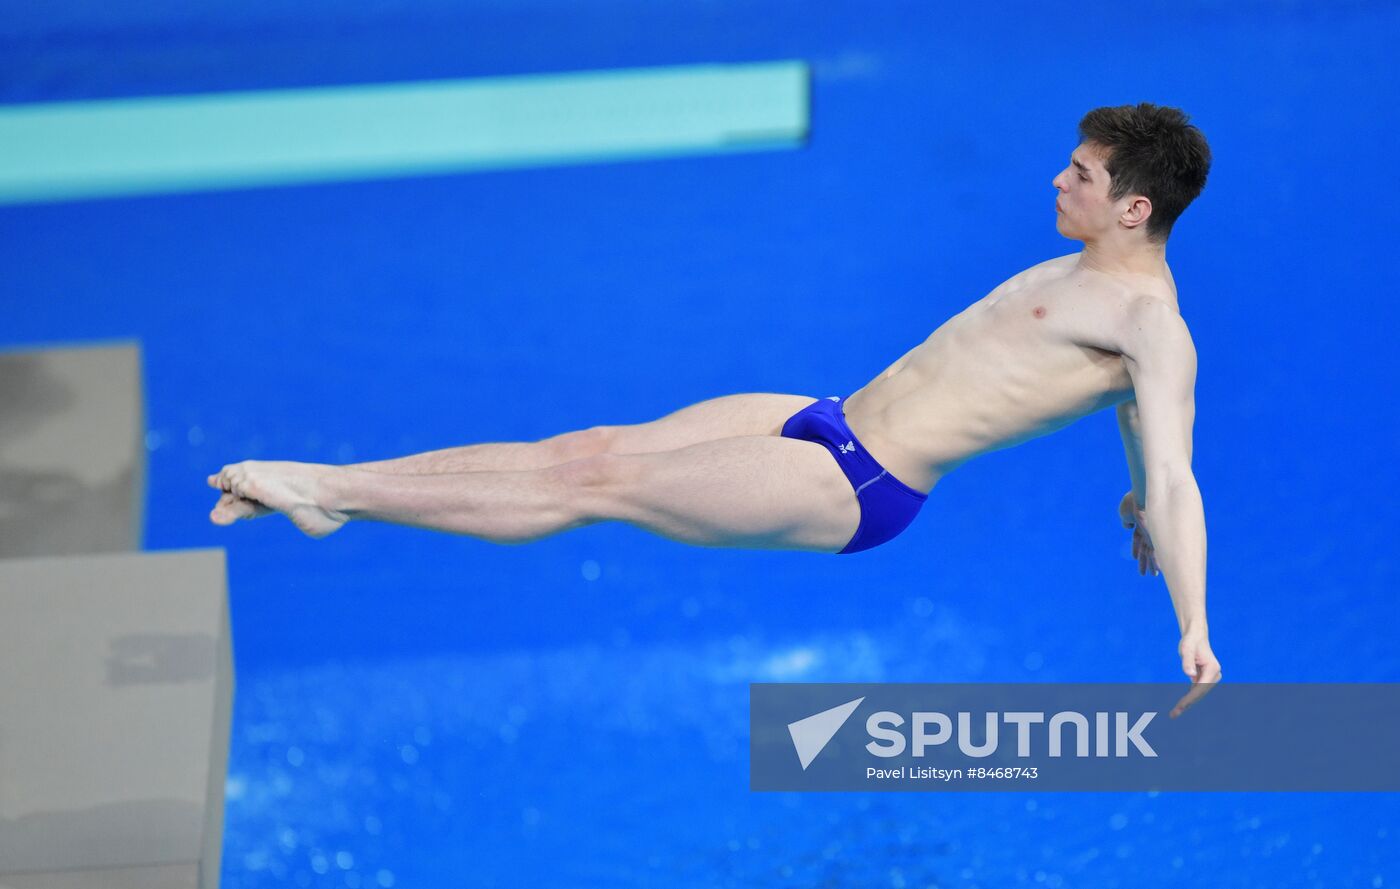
337	489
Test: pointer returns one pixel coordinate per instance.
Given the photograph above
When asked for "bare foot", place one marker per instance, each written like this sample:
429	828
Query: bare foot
231	508
256	488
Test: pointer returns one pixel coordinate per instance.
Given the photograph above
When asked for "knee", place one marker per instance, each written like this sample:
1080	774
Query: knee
585	443
600	487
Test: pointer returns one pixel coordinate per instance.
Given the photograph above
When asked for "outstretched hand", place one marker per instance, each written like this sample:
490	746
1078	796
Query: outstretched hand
1136	520
1200	663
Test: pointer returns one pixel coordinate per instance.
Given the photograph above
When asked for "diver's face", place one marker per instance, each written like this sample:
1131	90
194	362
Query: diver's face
1082	207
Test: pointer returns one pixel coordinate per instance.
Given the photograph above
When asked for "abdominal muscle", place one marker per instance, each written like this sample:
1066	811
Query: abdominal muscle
1003	371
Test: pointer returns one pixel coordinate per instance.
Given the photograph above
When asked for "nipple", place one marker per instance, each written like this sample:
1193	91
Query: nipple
1038	311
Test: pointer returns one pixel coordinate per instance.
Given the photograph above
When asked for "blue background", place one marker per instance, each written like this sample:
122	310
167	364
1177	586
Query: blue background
422	710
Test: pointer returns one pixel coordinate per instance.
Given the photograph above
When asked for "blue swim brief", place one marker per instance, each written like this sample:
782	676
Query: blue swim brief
887	505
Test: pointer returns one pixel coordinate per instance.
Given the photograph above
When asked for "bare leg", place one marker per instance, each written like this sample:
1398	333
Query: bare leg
754	413
487	456
750	491
758	413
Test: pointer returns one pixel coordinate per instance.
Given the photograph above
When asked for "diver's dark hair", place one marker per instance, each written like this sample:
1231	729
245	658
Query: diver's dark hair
1152	151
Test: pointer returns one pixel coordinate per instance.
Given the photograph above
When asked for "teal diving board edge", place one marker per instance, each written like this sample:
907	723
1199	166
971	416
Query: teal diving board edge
152	145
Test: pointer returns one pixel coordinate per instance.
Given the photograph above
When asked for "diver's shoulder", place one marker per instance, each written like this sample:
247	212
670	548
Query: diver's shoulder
1040	274
1132	293
1154	310
1059	264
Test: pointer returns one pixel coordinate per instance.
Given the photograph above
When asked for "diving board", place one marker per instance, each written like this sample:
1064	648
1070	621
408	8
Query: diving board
150	145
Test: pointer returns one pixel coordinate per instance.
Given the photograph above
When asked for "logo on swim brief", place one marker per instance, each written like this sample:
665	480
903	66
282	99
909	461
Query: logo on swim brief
848	448
833	398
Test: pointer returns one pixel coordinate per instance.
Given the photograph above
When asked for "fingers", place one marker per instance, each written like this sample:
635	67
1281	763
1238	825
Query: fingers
1204	671
1198	691
1145	554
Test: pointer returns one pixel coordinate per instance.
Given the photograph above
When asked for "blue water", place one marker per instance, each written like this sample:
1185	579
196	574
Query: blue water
422	710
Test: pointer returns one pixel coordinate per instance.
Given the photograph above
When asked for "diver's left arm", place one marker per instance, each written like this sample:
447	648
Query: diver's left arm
1161	359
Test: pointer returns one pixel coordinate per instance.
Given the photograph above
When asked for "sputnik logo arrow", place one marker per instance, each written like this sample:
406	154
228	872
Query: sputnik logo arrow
811	735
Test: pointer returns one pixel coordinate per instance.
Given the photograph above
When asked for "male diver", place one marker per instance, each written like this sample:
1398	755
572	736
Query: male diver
1056	342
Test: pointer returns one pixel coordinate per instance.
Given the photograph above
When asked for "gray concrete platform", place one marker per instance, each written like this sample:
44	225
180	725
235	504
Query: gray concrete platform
72	450
115	713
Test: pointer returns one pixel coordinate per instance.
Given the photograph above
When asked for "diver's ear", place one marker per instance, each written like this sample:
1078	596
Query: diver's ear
1138	211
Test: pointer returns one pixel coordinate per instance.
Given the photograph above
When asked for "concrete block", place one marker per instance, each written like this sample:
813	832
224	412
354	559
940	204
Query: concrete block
72	450
115	713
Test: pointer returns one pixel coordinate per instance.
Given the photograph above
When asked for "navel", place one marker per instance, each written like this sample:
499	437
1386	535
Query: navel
1038	311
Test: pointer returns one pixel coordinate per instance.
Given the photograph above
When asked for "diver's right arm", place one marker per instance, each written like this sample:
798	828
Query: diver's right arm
1161	360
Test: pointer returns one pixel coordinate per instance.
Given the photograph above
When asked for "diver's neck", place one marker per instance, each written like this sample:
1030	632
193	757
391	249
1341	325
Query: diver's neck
1126	260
